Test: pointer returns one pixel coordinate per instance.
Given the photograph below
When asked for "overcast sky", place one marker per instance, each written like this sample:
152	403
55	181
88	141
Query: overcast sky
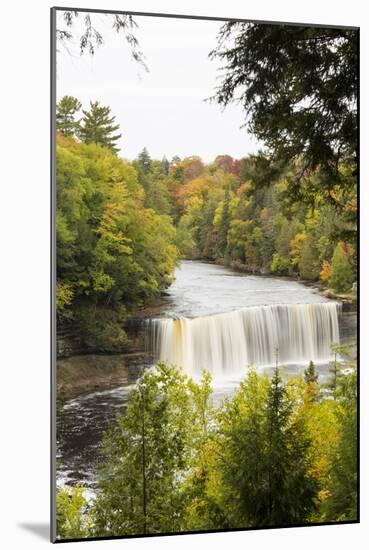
163	110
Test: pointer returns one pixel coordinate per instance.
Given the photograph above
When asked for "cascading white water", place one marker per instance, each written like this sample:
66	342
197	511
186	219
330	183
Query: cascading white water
226	343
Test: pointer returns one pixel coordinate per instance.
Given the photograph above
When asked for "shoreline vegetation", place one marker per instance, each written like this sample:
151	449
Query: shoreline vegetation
279	451
122	227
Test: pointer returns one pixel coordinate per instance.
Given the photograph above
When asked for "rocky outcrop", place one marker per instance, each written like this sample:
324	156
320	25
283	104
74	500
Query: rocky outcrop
87	373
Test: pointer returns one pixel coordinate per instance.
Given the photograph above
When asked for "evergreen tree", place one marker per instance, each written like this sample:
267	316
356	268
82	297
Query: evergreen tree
342	274
335	367
342	504
290	488
165	165
98	126
144	161
265	467
311	379
270	71
66	111
310	374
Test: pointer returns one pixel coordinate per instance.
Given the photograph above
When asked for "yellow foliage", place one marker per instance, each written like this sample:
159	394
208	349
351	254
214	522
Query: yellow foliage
64	295
326	272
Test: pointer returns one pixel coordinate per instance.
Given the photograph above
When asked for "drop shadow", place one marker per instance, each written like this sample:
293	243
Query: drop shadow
42	530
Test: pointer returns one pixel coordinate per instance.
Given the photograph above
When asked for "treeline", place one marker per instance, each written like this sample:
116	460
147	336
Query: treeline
278	452
122	226
240	212
112	252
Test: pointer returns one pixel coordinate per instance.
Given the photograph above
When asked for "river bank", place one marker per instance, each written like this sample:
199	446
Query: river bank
330	293
79	373
218	318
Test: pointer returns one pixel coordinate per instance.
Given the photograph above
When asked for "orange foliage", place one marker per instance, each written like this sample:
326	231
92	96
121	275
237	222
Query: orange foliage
326	272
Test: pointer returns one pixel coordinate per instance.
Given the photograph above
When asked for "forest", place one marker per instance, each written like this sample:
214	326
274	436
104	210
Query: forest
281	450
123	226
278	452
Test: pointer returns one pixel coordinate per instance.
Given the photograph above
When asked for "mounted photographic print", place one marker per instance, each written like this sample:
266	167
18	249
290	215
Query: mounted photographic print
204	270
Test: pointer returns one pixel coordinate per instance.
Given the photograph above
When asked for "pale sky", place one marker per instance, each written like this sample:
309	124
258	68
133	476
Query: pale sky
163	110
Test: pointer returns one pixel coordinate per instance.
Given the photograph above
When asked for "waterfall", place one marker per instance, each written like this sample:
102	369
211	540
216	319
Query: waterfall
226	343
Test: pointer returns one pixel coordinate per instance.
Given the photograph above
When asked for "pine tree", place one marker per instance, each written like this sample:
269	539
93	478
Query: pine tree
98	126
310	374
265	466
243	494
311	379
144	161
66	111
342	503
290	487
335	367
165	165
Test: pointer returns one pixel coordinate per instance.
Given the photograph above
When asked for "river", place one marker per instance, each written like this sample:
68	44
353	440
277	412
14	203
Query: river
211	317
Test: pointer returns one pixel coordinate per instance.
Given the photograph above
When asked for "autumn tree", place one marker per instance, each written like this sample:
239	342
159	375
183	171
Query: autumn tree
326	272
72	519
298	87
112	252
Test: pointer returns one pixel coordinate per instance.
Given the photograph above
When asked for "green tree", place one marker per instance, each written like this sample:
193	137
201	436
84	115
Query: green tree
144	161
309	262
290	486
342	273
98	126
242	466
112	252
202	509
145	456
222	244
66	111
342	504
298	87
310	374
72	516
265	465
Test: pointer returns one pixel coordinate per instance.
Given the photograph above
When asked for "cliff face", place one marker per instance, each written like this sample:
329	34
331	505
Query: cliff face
87	373
69	341
82	370
348	324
